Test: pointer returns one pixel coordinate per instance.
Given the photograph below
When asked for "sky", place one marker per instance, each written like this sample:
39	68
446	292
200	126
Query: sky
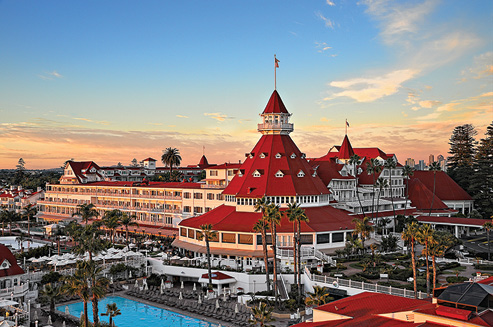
114	80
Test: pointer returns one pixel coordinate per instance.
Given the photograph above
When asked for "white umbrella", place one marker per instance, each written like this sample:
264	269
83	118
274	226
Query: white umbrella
146	287
194	287
131	245
136	283
161	289
180	297
176	257
63	324
31	259
236	308
182	286
66	310
200	300
49	320
148	242
53	262
130	274
217	304
35	316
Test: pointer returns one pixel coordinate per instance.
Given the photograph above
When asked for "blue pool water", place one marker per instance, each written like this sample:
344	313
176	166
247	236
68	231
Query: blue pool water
136	314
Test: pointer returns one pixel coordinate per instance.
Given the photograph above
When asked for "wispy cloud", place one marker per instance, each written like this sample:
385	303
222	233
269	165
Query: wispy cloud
218	116
50	75
328	23
330	3
429	103
482	66
181	116
100	122
324	119
322	46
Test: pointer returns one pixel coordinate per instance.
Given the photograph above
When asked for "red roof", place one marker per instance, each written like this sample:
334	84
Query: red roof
227	165
453	313
226	218
453	220
421	197
328	170
149	184
217	276
267	183
346	151
149	159
365	321
203	163
79	166
275	105
445	187
14	269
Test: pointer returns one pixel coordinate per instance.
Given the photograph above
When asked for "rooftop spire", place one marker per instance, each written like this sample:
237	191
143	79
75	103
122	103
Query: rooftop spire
346	151
275	117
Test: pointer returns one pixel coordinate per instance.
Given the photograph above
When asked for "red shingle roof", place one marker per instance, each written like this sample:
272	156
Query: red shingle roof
14	268
275	105
445	187
421	197
346	150
453	220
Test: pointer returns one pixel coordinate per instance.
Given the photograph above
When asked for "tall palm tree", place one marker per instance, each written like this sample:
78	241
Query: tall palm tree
439	243
425	236
86	212
407	172
362	228
319	296
111	220
410	235
88	240
434	167
51	293
29	212
354	160
390	164
382	184
77	284
274	218
208	235
261	227
111	311
261	314
128	220
296	215
373	167
8	216
488	226
99	286
171	157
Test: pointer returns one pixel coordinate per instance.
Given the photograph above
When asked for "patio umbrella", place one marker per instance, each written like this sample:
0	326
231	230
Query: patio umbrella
181	296
236	308
63	324
136	283
49	320
66	310
161	289
130	274
31	259
146	287
35	315
217	303
199	301
182	286
194	287
176	257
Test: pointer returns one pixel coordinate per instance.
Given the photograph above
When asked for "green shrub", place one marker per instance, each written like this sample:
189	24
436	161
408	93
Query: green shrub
51	277
453	279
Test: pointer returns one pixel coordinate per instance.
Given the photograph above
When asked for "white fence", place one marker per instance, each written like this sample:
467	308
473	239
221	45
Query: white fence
332	282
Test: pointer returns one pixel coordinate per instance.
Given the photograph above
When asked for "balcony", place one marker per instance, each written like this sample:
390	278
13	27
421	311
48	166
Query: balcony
275	127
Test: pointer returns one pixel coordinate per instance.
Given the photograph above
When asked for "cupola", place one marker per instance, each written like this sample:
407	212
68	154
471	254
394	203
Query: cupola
275	117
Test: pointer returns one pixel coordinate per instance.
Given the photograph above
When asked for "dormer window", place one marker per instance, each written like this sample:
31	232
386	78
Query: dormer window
240	173
293	155
5	264
301	173
314	174
257	173
279	174
93	170
251	155
263	155
303	156
278	156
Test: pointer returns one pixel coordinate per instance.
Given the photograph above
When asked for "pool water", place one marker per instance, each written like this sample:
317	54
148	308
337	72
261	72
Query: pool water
137	314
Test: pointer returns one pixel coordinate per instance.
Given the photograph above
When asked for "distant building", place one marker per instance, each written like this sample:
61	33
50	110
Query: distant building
421	165
431	159
410	162
10	276
17	198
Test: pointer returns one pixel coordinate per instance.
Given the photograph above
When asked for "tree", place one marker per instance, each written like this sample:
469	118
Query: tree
77	284
208	235
51	293
86	212
439	243
488	226
390	164
261	227
354	160
319	296
99	286
111	220
171	157
262	314
8	216
482	179
20	170
274	219
362	228
29	212
88	239
111	311
425	237
128	220
459	164
373	168
381	183
389	243
134	163
410	235
407	172
434	167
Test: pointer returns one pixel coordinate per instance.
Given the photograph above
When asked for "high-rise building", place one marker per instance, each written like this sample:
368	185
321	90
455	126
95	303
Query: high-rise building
421	165
410	162
431	159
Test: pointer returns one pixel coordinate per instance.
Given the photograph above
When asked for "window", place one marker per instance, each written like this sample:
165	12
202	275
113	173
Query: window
213	172
279	174
307	239
323	238
337	237
278	156
231	172
263	155
186	195
207	209
187	209
169	220
191	233
301	173
210	196
198	235
183	232
228	237
256	173
293	155
219	197
268	238
197	210
197	196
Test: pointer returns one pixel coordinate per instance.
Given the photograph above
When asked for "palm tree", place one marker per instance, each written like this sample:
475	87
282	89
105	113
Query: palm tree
52	294
381	183
111	220
390	164
439	243
362	228
425	236
261	227
488	226
410	234
296	214
208	235
407	172
274	218
86	212
354	160
434	167
29	212
262	314
171	157
319	296
111	311
77	284
8	216
99	286
88	239
373	167
128	220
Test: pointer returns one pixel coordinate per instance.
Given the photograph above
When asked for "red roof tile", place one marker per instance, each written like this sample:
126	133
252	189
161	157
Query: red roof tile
346	150
217	276
453	220
421	197
445	187
14	269
275	105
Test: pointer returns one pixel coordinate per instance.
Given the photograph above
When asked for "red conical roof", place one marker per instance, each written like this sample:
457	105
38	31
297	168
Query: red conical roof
346	151
275	105
203	162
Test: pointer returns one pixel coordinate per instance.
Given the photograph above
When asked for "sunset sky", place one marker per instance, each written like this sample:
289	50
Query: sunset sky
109	81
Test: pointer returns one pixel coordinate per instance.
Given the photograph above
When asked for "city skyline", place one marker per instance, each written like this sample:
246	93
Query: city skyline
114	81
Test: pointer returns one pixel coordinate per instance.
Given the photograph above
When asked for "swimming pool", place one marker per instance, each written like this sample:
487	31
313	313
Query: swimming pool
136	314
12	242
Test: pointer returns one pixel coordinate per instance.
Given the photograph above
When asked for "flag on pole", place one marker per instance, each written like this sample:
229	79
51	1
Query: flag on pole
277	62
347	124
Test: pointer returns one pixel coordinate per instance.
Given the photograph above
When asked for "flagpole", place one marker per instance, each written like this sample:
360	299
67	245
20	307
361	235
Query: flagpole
346	126
275	73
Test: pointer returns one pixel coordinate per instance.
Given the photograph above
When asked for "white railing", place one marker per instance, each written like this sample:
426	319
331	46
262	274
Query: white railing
306	253
466	261
17	291
286	297
338	282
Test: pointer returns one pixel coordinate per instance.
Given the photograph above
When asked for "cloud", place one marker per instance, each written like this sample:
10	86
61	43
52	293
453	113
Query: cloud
322	46
429	103
482	66
328	22
324	119
181	116
218	116
368	89
101	122
330	3
155	124
50	75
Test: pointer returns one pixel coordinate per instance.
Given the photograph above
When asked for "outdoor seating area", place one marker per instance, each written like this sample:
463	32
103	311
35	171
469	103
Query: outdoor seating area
192	301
